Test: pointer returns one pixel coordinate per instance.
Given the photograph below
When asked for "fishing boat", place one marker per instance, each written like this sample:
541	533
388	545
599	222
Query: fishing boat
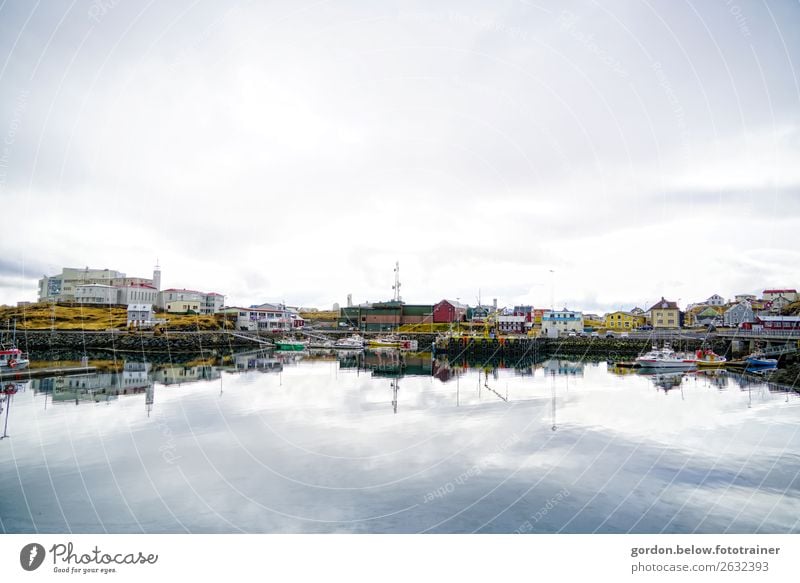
289	345
12	359
709	359
354	342
665	357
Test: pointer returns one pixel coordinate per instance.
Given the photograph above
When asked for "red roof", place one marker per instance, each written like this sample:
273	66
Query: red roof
780	291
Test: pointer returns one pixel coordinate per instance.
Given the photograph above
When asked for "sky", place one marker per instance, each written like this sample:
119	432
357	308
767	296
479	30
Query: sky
591	155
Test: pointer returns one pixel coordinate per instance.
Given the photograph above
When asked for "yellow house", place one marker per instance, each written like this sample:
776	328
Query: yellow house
624	321
593	321
665	314
183	306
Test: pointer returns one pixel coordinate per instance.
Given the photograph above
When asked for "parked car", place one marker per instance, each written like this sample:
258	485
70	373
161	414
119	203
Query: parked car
645	328
624	335
595	334
610	334
572	334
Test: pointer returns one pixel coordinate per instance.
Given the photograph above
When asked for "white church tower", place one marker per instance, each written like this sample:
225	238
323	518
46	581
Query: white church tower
157	277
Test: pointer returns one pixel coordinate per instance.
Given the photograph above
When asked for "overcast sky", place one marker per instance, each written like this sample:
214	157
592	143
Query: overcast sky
294	151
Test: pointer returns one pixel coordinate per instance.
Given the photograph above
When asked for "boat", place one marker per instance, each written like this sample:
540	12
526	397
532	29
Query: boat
758	360
665	357
12	359
709	359
290	345
393	342
354	342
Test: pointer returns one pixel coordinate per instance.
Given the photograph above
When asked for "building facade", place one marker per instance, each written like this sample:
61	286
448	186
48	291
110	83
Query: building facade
63	287
555	323
665	314
738	314
513	324
771	294
96	293
779	323
271	318
141	293
623	321
448	311
140	315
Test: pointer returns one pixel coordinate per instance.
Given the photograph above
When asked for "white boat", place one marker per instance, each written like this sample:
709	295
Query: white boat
354	342
13	359
665	357
393	342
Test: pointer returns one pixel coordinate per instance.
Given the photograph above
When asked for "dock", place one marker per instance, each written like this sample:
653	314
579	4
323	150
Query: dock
32	373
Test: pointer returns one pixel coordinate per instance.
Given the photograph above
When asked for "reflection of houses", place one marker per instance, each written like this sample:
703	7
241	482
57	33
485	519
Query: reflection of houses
175	375
388	363
260	361
562	367
98	387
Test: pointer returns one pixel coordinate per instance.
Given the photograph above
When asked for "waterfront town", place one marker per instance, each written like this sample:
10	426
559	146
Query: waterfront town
148	306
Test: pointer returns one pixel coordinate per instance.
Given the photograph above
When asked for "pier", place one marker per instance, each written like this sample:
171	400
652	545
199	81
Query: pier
32	373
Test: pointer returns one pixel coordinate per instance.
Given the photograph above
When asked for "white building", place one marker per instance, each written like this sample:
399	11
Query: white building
140	316
565	321
183	300
772	294
212	303
715	300
267	318
95	293
510	324
63	287
137	294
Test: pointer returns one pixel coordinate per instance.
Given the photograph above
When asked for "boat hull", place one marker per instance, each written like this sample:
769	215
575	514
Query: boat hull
290	346
666	364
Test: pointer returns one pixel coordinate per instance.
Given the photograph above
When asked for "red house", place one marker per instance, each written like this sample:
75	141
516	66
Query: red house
449	311
781	323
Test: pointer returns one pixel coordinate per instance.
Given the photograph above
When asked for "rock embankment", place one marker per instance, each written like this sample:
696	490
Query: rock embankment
129	341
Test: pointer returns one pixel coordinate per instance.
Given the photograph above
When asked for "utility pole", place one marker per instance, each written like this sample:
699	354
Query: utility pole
396	286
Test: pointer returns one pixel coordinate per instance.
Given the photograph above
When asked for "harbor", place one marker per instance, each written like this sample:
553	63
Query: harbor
400	442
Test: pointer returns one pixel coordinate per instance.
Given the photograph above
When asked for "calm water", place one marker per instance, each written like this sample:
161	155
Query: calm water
327	444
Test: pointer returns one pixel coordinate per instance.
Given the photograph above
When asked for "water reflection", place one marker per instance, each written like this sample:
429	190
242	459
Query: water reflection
384	441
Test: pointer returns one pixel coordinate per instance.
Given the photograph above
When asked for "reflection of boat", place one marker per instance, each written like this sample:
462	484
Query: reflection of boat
290	345
354	342
709	359
665	380
13	359
665	357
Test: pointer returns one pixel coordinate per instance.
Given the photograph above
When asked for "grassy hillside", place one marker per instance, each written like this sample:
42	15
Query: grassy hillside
46	316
